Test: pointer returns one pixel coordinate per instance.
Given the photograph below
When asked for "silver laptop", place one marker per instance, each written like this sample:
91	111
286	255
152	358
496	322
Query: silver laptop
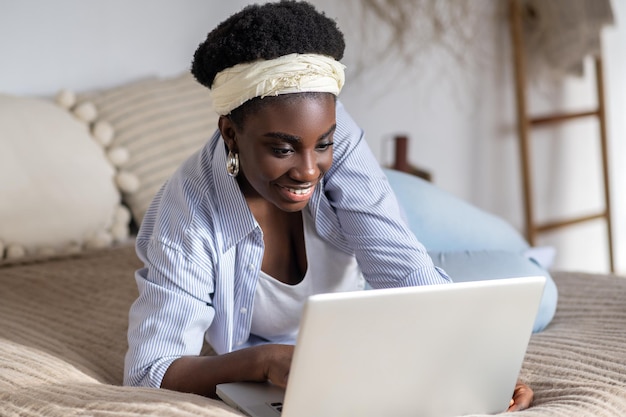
441	350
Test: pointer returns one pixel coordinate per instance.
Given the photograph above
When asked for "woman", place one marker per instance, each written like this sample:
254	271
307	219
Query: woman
285	195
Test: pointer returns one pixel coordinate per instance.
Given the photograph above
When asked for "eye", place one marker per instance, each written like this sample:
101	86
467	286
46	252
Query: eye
282	151
324	146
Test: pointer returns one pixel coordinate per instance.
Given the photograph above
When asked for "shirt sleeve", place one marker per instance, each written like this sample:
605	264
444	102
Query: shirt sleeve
170	316
388	252
174	307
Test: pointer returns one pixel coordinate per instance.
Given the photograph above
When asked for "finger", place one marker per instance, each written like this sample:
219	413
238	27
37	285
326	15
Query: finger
281	380
522	398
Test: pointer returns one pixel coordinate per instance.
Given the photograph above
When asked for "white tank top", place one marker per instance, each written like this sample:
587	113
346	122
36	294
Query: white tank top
278	306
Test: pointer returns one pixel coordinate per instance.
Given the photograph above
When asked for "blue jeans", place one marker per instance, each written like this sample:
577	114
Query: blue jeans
485	265
466	242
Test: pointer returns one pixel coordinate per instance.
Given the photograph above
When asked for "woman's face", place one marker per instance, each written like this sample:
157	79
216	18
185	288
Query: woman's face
284	149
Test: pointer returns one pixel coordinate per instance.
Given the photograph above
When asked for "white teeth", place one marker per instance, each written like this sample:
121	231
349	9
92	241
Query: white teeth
300	191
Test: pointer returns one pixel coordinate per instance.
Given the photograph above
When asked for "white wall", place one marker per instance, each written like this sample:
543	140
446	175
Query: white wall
460	115
83	44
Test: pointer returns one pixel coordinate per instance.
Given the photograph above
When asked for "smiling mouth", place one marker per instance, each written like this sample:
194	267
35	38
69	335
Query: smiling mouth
300	191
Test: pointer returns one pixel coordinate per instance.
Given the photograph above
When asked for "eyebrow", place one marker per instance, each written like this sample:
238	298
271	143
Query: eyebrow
293	138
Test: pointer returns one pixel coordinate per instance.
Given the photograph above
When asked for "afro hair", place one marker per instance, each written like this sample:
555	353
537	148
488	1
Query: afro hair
266	31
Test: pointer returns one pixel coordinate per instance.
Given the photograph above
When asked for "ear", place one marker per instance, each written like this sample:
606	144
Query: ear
227	129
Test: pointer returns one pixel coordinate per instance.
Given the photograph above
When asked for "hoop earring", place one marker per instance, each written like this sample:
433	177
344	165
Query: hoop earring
232	164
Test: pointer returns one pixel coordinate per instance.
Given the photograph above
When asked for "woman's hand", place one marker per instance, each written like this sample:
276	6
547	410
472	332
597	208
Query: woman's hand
522	397
200	374
277	363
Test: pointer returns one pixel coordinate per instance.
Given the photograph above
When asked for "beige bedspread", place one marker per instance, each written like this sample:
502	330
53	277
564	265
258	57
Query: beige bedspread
63	339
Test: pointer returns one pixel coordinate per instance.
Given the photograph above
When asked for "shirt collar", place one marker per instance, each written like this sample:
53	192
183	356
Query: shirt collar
234	215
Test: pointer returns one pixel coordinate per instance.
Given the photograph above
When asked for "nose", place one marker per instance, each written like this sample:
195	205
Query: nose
306	168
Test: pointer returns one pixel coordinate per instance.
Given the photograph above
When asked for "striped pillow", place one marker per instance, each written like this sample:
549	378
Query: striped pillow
159	122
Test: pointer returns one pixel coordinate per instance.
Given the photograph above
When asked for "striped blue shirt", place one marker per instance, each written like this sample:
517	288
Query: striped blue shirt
202	250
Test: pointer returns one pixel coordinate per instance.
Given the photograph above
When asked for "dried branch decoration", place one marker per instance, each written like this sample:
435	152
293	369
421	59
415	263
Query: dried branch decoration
412	28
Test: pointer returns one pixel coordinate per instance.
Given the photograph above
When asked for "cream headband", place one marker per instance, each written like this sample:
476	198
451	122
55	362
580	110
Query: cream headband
293	73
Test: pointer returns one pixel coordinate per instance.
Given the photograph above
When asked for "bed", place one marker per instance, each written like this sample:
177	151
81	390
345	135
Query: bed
63	339
65	291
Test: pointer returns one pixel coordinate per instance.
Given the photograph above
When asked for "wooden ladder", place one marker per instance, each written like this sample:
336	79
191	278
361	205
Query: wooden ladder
525	122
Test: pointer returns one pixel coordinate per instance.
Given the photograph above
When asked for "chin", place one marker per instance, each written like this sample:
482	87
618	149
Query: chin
291	207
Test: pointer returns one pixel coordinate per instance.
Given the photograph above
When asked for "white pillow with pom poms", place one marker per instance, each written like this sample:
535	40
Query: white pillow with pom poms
148	129
57	187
